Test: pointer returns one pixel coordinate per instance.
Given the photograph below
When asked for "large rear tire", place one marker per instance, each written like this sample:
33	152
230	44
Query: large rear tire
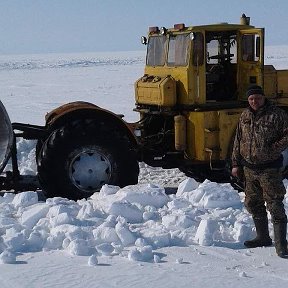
76	160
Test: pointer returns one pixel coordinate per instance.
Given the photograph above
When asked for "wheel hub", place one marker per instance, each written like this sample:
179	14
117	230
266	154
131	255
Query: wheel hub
90	169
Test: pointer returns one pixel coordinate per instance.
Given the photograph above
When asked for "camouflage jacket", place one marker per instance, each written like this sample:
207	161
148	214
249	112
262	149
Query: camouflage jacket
260	136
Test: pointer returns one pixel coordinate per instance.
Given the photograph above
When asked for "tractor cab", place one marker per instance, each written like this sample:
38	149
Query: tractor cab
209	63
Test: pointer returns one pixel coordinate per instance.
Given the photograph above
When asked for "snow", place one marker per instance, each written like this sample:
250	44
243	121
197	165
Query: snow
137	236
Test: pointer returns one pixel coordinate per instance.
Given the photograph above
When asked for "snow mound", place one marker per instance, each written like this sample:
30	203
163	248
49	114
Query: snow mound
211	195
132	222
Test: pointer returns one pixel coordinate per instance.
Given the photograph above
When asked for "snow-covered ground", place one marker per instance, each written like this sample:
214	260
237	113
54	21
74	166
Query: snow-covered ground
137	236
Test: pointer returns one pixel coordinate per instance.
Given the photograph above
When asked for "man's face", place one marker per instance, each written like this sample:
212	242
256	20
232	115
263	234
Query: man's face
256	101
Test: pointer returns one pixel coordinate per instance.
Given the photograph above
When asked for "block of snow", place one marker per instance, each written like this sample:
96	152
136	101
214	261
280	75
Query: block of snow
25	199
156	236
7	257
72	232
92	260
54	242
180	221
178	203
140	242
129	211
62	218
141	254
144	194
214	195
105	234
125	235
187	185
33	214
108	190
156	259
242	231
71	209
88	211
105	249
14	240
150	216
205	232
79	247
7	198
35	241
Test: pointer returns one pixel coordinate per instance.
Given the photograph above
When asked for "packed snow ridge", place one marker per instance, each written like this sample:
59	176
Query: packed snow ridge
132	222
33	62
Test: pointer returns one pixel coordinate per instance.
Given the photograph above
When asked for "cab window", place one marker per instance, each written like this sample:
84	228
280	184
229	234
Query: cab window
156	51
249	48
178	50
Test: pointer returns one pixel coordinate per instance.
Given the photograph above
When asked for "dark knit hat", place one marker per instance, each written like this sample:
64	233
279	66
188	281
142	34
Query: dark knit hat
254	89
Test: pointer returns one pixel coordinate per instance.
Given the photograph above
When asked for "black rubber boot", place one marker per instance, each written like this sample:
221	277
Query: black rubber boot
262	238
280	231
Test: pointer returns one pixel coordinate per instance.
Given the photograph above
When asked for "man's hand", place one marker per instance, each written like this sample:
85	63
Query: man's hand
235	172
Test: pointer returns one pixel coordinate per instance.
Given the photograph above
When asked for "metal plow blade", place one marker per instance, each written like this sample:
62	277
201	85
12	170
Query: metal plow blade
6	137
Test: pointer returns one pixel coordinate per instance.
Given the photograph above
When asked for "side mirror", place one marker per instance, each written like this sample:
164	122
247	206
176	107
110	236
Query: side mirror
144	40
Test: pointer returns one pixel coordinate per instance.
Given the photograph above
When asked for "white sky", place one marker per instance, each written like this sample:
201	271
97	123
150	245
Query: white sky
41	26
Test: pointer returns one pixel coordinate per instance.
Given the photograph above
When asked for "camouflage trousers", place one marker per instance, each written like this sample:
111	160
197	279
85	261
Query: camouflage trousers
265	186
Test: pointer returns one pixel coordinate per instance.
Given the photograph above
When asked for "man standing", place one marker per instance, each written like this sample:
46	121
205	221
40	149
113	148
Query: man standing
261	136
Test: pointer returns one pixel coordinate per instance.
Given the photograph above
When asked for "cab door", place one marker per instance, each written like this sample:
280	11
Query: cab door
250	59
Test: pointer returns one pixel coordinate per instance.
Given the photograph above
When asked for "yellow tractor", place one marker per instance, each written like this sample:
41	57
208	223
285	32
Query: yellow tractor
189	99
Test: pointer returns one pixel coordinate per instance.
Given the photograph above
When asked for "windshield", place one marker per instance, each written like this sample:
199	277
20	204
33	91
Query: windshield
156	51
177	50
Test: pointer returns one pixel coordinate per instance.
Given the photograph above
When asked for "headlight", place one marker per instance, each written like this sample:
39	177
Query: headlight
163	31
144	40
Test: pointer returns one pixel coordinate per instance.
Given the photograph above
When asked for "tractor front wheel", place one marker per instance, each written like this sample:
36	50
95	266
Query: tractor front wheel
78	159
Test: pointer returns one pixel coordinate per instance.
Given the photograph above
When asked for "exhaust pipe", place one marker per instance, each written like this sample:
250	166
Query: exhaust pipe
180	132
244	20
